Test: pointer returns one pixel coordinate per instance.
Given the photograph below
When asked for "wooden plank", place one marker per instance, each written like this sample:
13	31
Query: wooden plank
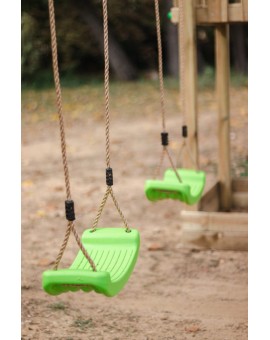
223	7
235	12
240	200
245	9
215	230
222	89
215	221
240	184
216	12
187	42
221	241
175	15
210	198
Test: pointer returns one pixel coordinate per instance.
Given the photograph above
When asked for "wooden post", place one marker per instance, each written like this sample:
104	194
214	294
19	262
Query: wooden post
188	43
222	88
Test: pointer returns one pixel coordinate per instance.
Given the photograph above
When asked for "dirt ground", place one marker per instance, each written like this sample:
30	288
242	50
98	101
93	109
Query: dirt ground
175	291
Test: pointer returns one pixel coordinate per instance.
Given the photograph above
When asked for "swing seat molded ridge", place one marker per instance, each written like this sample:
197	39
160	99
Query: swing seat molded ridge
114	252
188	191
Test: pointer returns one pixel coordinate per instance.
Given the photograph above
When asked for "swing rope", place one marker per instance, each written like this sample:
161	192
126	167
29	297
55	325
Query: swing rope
69	203
109	171
164	134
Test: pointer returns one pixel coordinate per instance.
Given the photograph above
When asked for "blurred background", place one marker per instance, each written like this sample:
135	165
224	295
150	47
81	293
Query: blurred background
133	50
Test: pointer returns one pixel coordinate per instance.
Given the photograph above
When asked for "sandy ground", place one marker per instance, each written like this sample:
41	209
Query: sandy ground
175	291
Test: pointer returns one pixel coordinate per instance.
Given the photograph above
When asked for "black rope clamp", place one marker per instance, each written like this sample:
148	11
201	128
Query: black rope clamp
164	138
70	212
109	177
184	131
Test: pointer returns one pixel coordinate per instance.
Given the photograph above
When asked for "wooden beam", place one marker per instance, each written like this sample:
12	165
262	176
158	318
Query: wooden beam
236	12
216	12
245	9
215	230
240	184
240	200
175	15
210	198
240	193
187	42
222	89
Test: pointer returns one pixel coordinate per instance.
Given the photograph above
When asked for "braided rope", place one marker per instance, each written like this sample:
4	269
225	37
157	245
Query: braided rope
162	96
106	80
58	96
185	145
109	190
160	66
119	210
63	247
100	209
173	166
70	225
157	172
92	264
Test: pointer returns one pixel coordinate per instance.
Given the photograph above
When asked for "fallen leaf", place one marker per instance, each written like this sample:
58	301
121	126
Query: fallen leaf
27	184
155	247
192	329
40	213
45	262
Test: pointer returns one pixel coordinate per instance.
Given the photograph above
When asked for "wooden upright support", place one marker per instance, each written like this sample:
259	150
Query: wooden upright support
211	12
211	228
188	42
188	85
222	87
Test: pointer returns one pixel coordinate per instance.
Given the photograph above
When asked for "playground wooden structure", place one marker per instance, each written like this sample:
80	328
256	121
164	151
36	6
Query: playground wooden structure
212	223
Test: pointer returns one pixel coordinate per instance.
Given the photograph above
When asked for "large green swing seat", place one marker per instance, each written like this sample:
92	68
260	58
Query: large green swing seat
189	190
114	252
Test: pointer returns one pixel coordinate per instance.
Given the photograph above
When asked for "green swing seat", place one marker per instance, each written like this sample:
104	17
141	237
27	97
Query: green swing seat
189	190
114	252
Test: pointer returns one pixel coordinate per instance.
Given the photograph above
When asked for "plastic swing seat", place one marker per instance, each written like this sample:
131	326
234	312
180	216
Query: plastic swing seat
114	252
189	190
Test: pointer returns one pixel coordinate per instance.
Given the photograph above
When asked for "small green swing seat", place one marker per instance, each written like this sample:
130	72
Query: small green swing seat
189	190
114	252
